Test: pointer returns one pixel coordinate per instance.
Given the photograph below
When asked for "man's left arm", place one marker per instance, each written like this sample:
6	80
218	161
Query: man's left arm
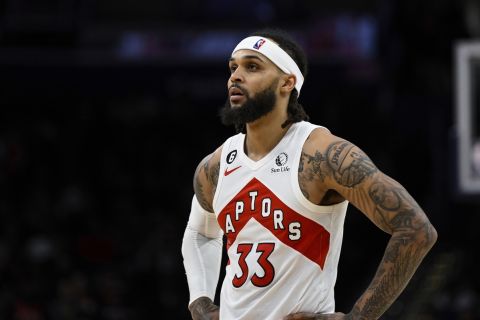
386	203
349	171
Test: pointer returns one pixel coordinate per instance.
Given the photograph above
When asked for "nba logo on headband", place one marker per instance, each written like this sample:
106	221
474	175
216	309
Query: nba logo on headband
259	44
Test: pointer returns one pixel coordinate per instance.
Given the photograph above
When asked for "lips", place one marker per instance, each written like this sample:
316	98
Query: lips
236	95
235	91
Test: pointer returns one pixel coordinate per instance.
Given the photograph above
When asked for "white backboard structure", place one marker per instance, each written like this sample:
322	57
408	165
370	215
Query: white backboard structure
467	105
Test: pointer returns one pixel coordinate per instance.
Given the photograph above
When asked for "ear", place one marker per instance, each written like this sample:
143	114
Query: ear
288	83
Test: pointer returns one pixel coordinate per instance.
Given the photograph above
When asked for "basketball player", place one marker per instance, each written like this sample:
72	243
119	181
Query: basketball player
278	191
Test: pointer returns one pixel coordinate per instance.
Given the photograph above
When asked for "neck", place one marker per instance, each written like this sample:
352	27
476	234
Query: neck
264	134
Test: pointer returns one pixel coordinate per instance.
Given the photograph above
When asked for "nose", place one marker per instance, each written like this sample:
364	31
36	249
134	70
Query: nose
236	76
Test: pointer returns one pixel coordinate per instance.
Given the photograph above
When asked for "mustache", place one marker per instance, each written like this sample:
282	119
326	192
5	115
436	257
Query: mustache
236	85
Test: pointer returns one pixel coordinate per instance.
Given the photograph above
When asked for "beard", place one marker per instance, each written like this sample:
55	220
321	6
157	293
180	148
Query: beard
251	110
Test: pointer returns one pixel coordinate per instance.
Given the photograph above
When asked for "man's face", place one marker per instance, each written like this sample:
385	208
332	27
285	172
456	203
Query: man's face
252	88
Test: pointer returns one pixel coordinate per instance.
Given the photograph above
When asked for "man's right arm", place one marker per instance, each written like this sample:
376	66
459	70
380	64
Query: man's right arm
202	242
206	178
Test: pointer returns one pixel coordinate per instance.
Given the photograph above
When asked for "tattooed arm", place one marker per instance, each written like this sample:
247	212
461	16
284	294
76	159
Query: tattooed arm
202	242
205	179
333	165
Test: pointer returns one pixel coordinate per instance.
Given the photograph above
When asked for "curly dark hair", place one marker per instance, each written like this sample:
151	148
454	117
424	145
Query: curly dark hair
295	110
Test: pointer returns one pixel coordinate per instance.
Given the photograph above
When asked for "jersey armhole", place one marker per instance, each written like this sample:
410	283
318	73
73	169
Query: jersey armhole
223	155
295	183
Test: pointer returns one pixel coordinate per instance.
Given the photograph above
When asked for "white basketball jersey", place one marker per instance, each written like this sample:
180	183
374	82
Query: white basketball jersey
283	250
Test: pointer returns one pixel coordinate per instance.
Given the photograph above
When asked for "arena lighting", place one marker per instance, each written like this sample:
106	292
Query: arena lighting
467	106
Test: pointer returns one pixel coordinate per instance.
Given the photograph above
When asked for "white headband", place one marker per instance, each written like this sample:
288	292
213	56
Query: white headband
275	54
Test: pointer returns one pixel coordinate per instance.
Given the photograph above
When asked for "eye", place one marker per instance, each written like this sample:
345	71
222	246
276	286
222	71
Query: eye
232	68
252	66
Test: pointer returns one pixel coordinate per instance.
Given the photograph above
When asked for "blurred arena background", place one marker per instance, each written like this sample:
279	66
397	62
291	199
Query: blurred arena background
107	106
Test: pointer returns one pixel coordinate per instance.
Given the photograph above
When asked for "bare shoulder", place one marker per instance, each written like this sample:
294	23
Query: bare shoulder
329	162
314	171
318	148
318	140
339	159
206	178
